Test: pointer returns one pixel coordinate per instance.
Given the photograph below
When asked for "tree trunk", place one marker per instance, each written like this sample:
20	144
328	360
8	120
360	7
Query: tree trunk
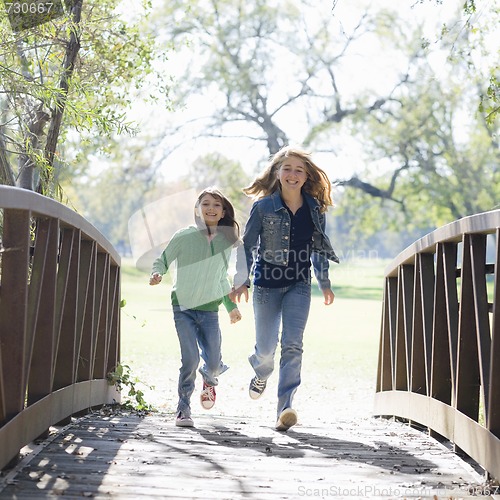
26	165
6	174
68	67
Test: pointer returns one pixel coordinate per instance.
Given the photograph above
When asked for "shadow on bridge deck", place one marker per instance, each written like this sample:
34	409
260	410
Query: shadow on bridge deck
125	456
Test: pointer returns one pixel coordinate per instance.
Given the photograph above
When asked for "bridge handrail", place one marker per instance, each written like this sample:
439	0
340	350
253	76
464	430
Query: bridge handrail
439	352
59	317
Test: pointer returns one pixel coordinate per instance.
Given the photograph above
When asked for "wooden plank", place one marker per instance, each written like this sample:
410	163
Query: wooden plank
400	349
392	286
14	310
84	285
441	368
493	420
126	456
418	376
42	363
113	354
384	369
65	372
102	316
408	280
467	382
483	334
468	436
427	281
450	256
63	273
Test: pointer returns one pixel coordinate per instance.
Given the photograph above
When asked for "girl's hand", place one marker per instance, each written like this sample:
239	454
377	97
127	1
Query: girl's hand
236	294
234	316
155	278
329	296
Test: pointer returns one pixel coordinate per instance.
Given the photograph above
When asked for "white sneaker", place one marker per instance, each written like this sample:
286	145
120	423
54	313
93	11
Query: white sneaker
287	419
183	420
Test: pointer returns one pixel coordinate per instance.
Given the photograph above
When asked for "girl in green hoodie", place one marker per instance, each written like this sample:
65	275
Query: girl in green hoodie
201	253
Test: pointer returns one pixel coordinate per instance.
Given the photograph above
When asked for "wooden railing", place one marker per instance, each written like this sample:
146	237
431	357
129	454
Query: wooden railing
59	317
439	358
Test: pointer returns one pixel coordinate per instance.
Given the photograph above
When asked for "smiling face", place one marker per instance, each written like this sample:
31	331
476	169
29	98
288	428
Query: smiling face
292	174
211	210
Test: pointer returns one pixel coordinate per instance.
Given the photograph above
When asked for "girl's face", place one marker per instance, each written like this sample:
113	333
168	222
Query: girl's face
211	210
292	174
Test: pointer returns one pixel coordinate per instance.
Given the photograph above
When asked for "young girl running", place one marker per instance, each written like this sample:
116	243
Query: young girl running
284	234
201	254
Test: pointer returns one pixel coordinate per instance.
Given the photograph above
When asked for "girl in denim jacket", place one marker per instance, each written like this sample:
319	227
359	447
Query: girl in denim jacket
284	234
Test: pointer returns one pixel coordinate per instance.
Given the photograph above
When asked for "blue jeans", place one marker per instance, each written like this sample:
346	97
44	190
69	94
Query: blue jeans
273	307
197	330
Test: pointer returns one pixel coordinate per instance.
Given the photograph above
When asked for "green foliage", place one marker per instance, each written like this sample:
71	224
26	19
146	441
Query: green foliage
426	157
475	44
490	101
214	169
412	138
431	156
39	81
123	378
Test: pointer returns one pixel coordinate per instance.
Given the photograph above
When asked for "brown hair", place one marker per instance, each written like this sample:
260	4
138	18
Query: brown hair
227	225
317	184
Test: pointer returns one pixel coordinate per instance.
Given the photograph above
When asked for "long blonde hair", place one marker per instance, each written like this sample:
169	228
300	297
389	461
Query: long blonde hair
317	184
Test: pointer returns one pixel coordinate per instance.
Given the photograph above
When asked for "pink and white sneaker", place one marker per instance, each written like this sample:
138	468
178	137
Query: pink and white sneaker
207	396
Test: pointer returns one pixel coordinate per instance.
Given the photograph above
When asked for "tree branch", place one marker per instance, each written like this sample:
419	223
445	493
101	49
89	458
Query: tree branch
370	189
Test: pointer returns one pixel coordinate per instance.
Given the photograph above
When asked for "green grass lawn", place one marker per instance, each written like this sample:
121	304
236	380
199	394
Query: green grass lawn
340	343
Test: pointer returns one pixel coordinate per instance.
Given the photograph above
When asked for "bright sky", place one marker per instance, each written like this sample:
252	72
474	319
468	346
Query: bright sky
371	66
374	66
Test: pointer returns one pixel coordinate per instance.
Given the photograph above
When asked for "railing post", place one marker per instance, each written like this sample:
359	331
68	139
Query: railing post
13	310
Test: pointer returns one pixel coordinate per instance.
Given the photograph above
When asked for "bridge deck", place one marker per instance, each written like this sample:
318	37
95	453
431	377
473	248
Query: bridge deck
228	457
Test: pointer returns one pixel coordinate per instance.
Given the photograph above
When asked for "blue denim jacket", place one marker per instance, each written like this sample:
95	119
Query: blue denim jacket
267	235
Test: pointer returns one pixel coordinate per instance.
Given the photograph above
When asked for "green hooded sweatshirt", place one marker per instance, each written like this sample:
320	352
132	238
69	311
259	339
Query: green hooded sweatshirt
200	280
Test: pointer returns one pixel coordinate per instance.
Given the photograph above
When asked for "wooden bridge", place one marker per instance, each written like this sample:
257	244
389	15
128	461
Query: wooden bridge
438	380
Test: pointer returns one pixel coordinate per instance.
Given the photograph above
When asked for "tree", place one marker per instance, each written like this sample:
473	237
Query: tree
216	170
238	46
478	25
70	77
